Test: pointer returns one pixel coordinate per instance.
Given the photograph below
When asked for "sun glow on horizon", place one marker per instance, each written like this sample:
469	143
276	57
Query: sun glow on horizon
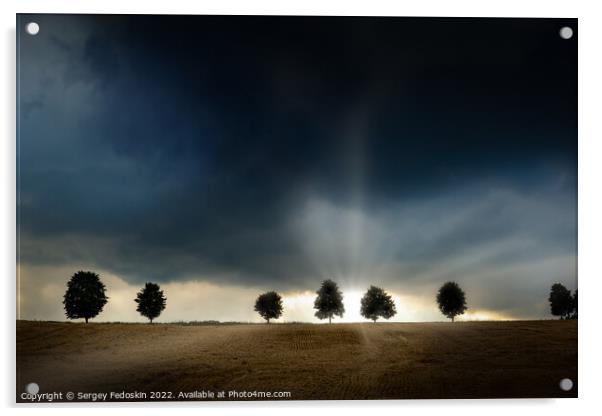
484	315
298	307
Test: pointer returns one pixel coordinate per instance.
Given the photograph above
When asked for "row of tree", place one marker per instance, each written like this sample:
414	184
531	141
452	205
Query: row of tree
375	304
86	297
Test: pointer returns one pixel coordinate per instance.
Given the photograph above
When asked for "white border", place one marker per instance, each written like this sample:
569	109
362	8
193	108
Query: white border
590	184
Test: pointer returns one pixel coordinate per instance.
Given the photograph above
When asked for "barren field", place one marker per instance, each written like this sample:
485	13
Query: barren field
338	361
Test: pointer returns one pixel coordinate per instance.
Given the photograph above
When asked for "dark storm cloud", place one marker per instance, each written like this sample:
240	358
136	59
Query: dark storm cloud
192	147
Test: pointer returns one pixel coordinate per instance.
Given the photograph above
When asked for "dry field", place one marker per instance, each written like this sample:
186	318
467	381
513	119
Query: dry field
338	361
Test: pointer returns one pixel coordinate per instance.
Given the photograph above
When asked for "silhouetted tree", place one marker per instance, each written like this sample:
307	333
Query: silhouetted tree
561	302
151	301
269	306
85	296
451	300
574	309
329	301
376	303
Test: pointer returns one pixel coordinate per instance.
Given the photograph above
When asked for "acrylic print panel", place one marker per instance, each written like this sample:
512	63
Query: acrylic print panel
296	208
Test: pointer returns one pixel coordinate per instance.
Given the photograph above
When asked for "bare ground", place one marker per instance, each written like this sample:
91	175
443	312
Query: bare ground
338	361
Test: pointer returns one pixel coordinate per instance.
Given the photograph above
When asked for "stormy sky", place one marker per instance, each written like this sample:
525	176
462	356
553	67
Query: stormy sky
225	156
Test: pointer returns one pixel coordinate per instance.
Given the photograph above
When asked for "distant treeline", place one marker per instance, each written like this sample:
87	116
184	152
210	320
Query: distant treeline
86	297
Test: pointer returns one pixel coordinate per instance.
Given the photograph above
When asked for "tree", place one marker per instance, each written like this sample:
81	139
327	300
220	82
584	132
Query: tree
85	296
574	305
329	301
451	300
151	301
561	302
377	303
269	306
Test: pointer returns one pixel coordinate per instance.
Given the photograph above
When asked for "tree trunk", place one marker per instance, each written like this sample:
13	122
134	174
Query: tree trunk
151	320
452	319
268	320
374	320
329	319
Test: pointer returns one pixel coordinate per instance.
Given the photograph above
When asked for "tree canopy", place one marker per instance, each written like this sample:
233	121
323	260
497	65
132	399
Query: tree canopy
329	301
562	303
269	306
377	303
451	300
574	315
85	296
151	301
